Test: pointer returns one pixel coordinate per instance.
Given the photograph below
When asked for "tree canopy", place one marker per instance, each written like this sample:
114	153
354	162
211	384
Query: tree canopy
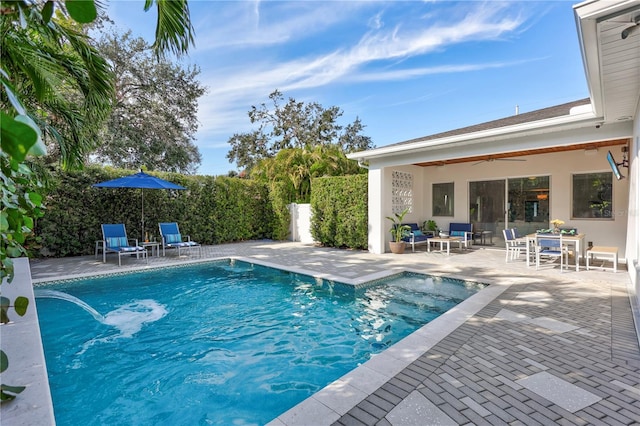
153	120
295	143
65	86
294	168
293	125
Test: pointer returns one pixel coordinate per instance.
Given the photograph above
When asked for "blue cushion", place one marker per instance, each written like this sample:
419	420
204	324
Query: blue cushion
172	238
460	227
115	242
417	233
185	244
457	233
549	243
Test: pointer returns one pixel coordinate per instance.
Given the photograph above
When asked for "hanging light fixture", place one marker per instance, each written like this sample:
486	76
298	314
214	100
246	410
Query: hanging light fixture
627	31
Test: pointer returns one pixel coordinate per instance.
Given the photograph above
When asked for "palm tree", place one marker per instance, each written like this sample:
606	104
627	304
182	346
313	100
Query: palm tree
65	84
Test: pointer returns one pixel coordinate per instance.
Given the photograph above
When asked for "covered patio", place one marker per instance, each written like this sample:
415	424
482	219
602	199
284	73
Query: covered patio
576	162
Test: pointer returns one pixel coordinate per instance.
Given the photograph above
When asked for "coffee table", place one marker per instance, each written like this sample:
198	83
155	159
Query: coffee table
444	242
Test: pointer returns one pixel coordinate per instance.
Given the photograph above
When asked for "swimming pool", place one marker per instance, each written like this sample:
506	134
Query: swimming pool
219	342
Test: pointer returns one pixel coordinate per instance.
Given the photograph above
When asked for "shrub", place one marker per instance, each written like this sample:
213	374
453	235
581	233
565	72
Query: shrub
339	211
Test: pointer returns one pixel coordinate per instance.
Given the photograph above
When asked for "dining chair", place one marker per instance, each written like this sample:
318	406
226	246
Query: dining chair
513	246
551	246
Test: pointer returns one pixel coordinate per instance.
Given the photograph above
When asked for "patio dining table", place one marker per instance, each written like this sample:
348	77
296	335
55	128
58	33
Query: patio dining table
576	240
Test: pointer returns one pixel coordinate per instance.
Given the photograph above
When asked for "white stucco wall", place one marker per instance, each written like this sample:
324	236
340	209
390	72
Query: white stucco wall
378	187
633	223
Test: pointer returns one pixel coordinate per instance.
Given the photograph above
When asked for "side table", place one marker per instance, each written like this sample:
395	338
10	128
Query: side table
155	247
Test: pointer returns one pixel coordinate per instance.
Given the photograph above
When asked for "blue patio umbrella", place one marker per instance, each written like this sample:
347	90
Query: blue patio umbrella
139	180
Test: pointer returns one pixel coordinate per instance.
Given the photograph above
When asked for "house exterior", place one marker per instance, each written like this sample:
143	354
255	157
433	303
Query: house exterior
526	170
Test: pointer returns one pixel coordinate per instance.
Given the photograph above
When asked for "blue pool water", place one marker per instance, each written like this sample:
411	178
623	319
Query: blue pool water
219	342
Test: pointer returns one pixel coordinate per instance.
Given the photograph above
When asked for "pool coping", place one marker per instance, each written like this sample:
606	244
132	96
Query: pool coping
333	401
27	366
325	406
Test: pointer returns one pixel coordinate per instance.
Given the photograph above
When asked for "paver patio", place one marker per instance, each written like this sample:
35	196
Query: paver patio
550	348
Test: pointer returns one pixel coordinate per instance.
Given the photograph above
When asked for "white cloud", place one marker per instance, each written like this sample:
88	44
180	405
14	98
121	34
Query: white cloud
247	81
246	24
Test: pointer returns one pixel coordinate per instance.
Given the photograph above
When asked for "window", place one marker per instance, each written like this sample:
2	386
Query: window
592	196
442	200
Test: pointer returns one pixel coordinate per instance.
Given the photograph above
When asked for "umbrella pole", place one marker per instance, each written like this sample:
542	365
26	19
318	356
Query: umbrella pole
142	235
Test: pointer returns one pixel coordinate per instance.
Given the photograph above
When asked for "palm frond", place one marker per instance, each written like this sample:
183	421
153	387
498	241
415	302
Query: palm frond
174	31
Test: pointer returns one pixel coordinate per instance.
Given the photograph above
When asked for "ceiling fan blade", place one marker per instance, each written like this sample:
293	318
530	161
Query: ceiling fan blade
488	160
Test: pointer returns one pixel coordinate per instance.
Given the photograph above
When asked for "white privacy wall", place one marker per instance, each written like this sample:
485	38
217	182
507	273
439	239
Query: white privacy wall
300	228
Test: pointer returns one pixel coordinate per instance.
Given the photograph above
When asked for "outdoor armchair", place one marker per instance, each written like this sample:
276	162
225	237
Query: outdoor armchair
114	240
415	236
171	238
464	231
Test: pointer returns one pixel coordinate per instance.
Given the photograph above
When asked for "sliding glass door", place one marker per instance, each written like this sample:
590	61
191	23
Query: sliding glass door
526	207
487	209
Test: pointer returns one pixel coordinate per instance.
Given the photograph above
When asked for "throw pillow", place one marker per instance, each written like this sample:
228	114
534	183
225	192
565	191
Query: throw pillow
116	242
172	238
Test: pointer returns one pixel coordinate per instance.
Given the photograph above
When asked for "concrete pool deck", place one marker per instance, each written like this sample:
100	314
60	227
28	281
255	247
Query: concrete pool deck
541	347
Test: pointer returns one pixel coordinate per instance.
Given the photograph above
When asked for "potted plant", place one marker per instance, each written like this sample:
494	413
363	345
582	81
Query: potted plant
398	231
557	223
430	226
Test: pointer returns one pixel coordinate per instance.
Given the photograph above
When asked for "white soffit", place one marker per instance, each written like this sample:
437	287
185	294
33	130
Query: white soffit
612	64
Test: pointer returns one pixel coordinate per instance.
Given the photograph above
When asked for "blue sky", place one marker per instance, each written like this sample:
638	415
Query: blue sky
406	68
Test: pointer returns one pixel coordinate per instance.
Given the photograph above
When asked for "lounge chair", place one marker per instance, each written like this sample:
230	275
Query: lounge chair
171	238
114	240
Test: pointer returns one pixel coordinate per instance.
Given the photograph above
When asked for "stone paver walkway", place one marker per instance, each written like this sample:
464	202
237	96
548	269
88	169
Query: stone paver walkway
543	348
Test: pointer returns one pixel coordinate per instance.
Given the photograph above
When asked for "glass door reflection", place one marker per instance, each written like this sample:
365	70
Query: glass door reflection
487	210
528	204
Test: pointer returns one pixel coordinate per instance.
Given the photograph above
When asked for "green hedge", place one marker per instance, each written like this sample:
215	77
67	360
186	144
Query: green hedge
339	211
212	210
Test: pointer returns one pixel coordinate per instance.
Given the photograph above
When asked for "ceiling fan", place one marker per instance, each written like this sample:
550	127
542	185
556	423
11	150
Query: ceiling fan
498	159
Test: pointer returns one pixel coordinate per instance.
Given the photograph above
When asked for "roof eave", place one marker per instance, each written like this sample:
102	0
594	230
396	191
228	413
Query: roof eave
588	15
542	126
